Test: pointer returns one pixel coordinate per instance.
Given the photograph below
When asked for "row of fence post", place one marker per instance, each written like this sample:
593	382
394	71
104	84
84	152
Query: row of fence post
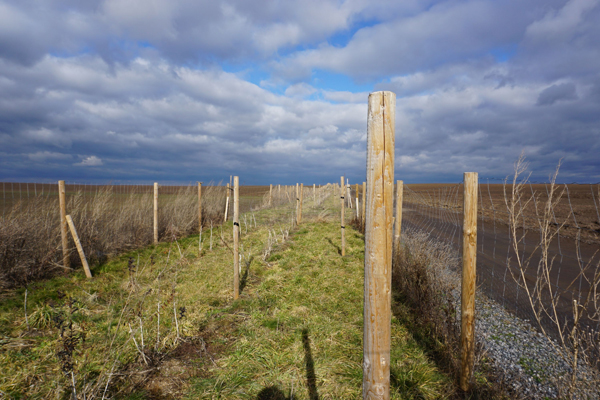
382	232
379	223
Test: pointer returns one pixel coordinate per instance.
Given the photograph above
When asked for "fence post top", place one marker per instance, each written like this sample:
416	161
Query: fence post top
383	92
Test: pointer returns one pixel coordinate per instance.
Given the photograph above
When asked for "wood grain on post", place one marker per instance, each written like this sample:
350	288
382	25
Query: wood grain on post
378	246
155	212
62	203
342	190
236	237
397	230
200	208
364	191
86	267
467	332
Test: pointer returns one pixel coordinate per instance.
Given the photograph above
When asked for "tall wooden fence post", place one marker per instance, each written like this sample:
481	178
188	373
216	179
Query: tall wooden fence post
84	262
155	212
467	333
200	208
342	190
397	230
300	203
348	193
226	204
270	195
297	204
314	193
62	203
378	246
236	237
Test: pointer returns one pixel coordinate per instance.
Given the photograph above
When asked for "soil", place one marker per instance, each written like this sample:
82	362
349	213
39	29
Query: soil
577	210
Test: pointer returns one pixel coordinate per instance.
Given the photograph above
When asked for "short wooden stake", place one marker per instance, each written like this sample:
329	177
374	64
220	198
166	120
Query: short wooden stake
62	203
467	333
236	237
378	246
342	190
155	212
86	267
398	227
227	204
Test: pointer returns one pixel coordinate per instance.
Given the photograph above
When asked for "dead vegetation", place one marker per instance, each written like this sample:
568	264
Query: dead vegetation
107	224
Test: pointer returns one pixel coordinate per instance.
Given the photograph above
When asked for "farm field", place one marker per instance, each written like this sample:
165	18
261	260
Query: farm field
579	204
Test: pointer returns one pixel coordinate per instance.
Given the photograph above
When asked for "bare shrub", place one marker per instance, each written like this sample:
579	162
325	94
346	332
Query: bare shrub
575	340
422	275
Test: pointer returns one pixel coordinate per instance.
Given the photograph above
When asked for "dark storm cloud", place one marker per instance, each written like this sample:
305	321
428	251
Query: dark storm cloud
563	91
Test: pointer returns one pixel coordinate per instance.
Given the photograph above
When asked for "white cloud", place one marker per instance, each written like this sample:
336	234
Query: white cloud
91	161
139	84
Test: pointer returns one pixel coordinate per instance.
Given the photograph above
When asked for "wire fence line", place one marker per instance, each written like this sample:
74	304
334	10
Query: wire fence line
114	217
517	235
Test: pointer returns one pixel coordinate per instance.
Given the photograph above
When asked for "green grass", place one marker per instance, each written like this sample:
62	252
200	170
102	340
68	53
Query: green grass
302	330
296	328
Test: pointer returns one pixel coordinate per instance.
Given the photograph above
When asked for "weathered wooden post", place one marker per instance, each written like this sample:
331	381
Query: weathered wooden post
200	208
62	203
364	191
226	204
342	190
236	237
378	246
297	204
270	195
314	193
84	262
467	333
300	203
399	189
348	194
155	212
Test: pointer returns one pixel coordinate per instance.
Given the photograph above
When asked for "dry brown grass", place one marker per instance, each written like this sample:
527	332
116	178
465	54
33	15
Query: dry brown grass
426	290
107	223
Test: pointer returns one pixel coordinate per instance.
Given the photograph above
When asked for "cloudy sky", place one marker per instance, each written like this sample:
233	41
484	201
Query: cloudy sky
276	91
